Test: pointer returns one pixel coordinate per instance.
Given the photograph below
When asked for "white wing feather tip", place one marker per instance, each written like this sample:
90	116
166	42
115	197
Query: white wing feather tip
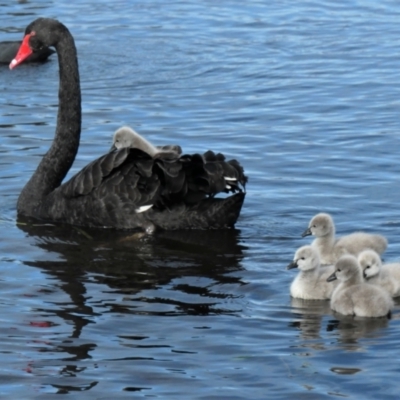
143	208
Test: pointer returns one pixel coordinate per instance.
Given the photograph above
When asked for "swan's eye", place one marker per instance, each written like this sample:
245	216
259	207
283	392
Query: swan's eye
35	43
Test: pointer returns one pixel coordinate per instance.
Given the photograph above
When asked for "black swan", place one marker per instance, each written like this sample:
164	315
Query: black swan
9	49
126	188
127	137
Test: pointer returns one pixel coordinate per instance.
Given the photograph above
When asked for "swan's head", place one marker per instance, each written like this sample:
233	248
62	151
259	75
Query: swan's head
347	268
41	33
320	225
370	263
126	137
306	258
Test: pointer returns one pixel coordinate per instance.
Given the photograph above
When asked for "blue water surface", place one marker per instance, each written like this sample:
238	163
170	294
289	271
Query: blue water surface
306	95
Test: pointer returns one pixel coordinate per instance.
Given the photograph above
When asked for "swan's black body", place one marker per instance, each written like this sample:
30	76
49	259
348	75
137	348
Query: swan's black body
110	191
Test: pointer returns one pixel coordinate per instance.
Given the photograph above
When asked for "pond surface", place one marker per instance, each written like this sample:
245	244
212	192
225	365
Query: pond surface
306	95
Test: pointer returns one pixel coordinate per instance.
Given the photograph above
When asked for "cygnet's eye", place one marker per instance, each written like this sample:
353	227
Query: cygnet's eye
302	258
338	270
117	141
368	267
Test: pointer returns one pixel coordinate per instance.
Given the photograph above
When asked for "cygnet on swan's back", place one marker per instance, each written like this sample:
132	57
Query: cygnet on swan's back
355	297
386	275
127	137
331	249
311	282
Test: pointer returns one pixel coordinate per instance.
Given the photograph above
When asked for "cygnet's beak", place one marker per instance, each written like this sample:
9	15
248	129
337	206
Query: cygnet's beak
307	232
113	148
292	265
332	277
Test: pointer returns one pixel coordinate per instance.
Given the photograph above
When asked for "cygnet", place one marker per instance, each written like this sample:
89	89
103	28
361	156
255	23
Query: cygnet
386	275
127	137
311	282
331	249
355	297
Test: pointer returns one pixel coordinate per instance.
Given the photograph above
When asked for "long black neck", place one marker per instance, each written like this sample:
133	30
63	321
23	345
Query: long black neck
58	160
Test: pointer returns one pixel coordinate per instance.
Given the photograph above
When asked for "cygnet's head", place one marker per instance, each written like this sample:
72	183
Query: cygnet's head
305	258
370	263
126	137
346	268
320	225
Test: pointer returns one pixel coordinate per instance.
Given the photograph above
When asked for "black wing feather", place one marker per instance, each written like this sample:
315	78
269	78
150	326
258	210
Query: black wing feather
137	179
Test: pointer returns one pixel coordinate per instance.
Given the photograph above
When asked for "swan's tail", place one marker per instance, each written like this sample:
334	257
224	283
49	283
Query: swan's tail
217	213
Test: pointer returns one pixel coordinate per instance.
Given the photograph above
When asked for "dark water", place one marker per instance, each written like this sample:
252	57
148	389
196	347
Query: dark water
306	95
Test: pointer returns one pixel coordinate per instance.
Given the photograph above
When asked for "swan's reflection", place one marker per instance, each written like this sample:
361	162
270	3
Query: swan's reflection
191	263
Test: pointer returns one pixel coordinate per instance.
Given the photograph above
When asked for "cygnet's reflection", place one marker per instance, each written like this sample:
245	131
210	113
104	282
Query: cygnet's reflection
308	315
315	320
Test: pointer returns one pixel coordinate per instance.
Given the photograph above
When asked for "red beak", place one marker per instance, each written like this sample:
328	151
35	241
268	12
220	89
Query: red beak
24	52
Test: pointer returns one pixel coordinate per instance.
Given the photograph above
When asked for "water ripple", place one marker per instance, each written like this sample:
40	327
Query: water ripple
305	94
